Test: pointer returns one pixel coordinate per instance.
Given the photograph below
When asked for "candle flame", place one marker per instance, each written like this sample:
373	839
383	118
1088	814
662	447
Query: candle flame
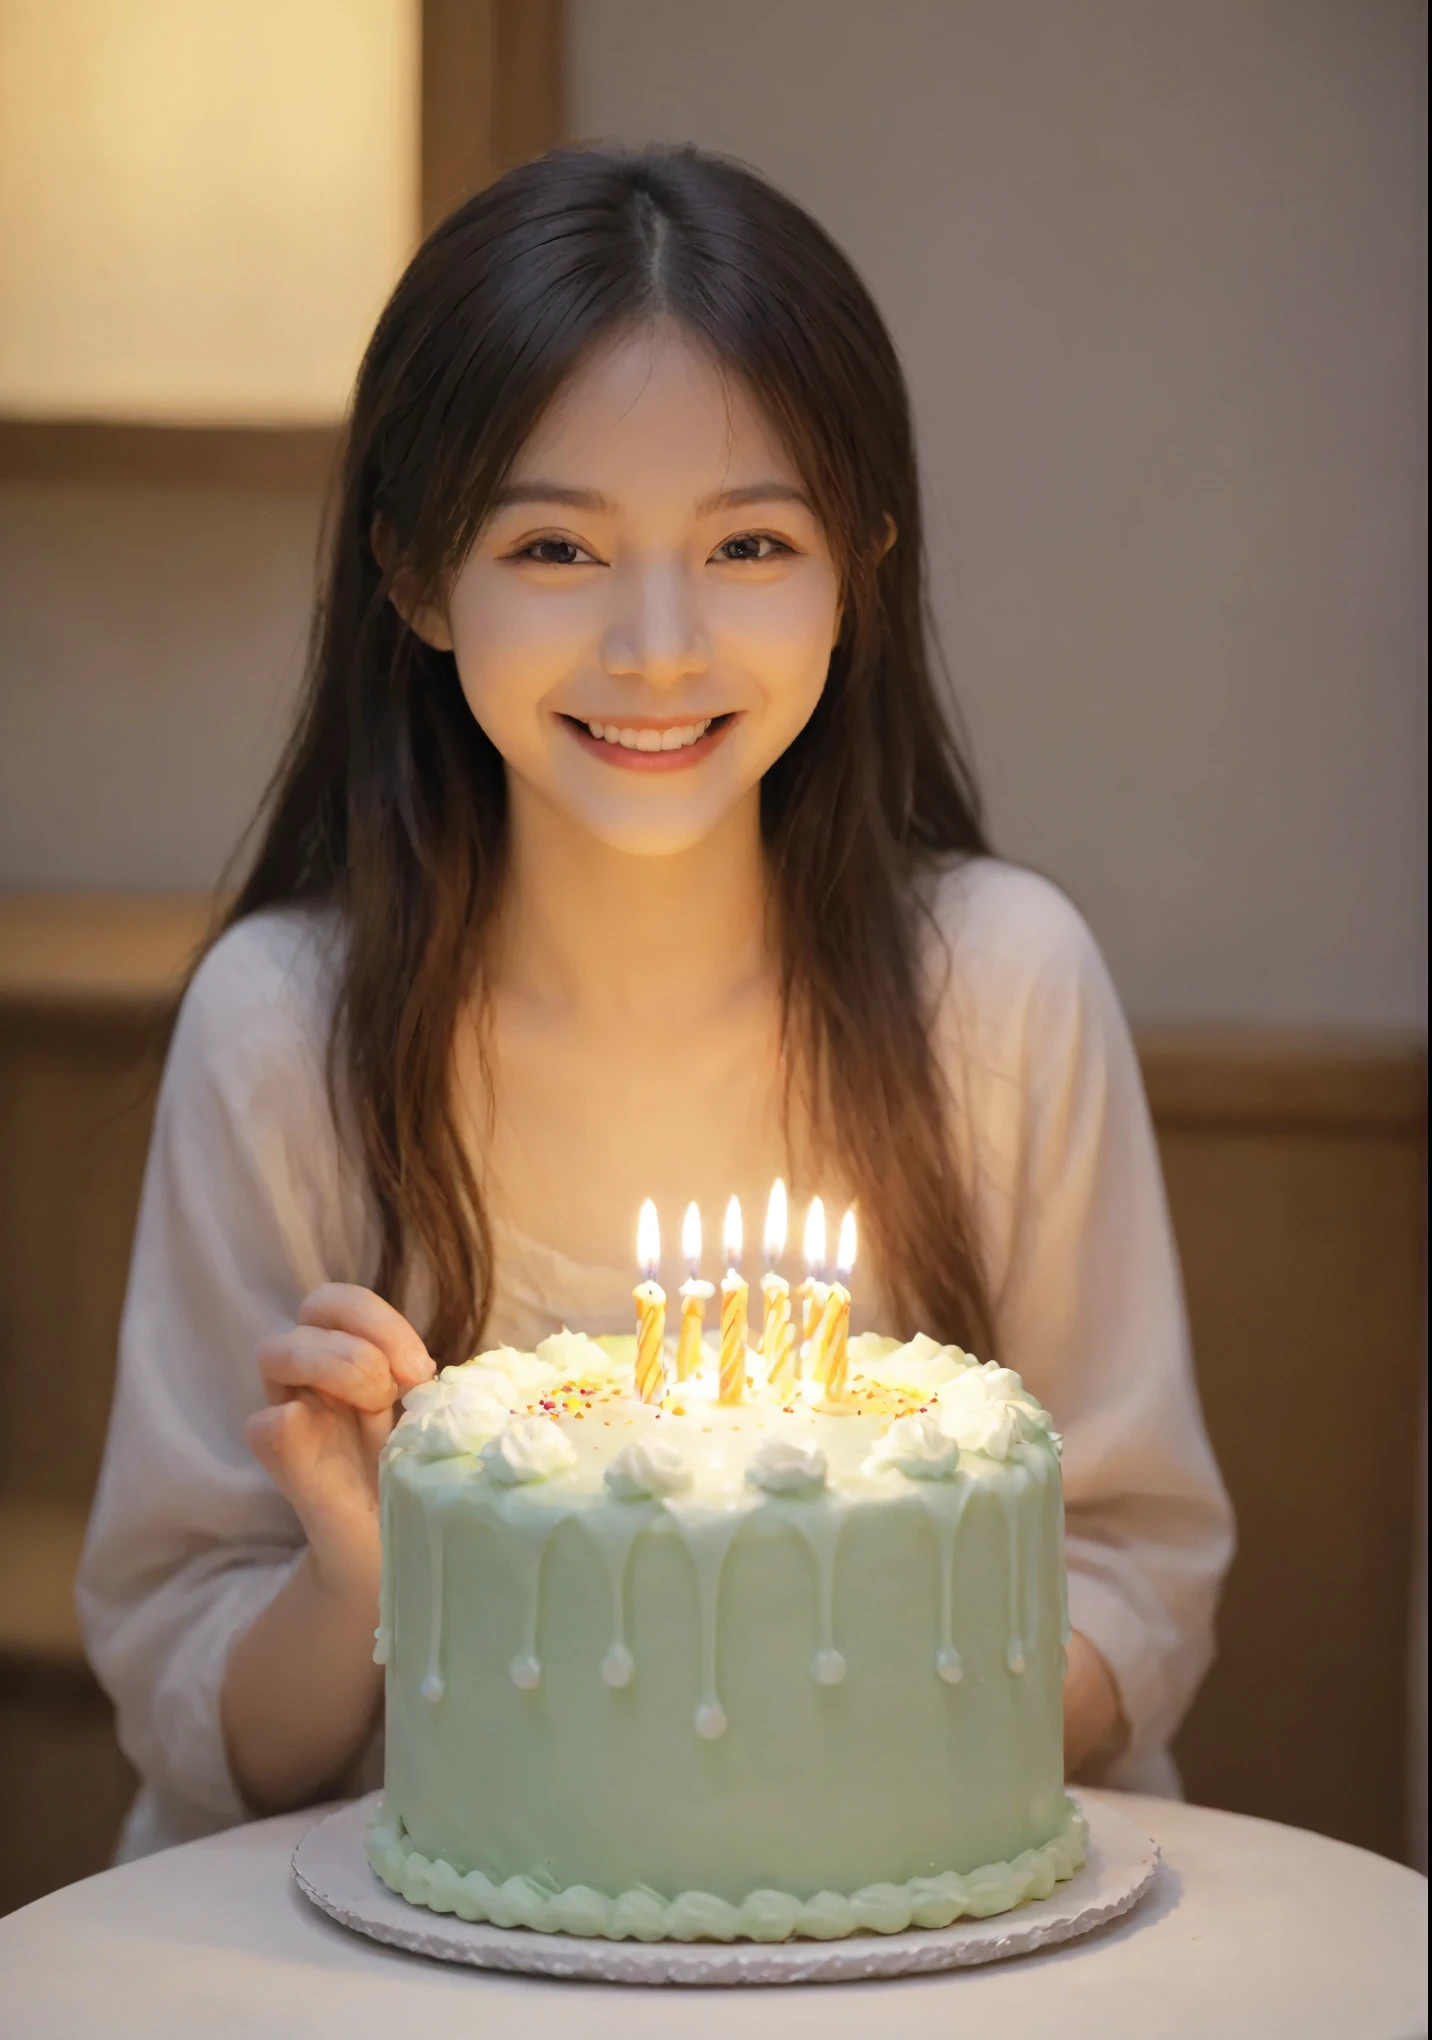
691	1237
648	1240
731	1236
845	1252
776	1222
815	1237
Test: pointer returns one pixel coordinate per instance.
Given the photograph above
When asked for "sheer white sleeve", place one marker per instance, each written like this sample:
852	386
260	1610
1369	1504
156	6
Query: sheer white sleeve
247	1206
1086	1288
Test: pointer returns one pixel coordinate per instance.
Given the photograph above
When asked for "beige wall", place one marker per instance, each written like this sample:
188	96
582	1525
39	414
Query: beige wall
149	645
1156	271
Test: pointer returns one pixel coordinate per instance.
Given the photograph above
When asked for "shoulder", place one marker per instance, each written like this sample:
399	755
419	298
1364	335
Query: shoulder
260	1004
1024	1014
1010	942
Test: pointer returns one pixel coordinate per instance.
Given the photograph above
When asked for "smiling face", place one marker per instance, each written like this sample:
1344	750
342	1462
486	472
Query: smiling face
645	621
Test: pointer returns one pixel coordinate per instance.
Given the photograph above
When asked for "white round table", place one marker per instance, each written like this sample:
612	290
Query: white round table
1252	1929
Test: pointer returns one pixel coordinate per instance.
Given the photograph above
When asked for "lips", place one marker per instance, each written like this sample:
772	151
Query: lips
649	746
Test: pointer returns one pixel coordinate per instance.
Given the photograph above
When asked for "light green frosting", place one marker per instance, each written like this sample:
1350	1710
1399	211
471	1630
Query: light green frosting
799	1666
644	1915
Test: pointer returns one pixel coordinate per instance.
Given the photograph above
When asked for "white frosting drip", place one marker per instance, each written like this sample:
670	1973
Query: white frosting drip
787	1466
383	1634
531	1448
648	1467
1014	1648
820	1533
946	1505
708	1537
614	1532
433	1688
917	1446
701	1473
529	1549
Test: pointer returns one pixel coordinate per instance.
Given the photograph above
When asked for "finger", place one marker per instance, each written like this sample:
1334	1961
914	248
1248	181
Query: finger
274	1436
314	1470
345	1369
375	1430
344	1307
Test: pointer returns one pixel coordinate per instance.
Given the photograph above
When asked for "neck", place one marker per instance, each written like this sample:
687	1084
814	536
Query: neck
586	928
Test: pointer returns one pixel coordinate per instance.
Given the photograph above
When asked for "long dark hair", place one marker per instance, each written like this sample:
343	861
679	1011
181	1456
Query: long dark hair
391	805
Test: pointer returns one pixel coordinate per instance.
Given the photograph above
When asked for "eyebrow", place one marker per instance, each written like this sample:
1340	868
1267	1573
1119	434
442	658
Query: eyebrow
537	491
755	492
550	492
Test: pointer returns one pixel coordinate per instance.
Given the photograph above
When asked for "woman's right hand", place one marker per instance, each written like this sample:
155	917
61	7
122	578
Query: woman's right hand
332	1381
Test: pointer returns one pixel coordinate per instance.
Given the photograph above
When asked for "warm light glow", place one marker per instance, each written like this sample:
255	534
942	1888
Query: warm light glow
845	1252
732	1238
815	1238
648	1240
691	1237
202	206
776	1222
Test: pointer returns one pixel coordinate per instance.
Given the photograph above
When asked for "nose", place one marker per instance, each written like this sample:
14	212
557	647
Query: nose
657	633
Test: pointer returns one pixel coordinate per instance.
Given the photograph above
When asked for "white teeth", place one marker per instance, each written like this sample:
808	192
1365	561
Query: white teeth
676	739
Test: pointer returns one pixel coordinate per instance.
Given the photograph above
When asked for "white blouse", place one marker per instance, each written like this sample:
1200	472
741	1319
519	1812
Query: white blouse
250	1201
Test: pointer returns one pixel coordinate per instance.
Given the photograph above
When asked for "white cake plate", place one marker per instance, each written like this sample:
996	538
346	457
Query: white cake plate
332	1870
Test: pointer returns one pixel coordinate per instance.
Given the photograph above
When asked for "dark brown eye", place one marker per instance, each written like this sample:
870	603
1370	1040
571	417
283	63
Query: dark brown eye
553	552
751	545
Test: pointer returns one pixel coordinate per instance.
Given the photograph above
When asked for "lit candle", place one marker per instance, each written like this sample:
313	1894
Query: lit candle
732	1386
650	1301
830	1357
695	1294
811	1294
778	1334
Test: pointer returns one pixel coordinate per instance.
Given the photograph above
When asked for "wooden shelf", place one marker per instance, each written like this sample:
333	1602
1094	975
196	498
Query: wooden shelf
1283	1077
84	452
107	950
98	951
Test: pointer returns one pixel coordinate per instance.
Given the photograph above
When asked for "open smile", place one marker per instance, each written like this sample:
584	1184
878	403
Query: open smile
645	744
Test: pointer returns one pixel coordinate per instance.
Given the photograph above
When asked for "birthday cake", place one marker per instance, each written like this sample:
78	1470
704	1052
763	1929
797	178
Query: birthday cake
698	1643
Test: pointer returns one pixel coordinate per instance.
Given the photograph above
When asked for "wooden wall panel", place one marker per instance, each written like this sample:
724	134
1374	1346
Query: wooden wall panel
76	1097
492	93
284	460
1303	1261
75	1107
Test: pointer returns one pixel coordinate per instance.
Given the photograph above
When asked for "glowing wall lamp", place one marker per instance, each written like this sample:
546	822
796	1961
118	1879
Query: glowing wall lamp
203	203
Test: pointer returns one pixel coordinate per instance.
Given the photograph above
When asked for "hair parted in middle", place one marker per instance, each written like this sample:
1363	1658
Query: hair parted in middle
390	804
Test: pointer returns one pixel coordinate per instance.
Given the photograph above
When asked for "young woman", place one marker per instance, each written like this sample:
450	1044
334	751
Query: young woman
623	850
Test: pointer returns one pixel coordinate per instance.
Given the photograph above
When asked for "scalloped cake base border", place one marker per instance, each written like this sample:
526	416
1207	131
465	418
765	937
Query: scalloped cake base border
643	1915
331	1870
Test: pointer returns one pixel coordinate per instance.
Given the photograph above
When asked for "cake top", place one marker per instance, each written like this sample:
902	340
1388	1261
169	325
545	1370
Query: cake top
569	1415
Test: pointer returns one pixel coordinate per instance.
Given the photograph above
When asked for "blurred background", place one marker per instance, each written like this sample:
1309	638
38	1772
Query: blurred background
1157	272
